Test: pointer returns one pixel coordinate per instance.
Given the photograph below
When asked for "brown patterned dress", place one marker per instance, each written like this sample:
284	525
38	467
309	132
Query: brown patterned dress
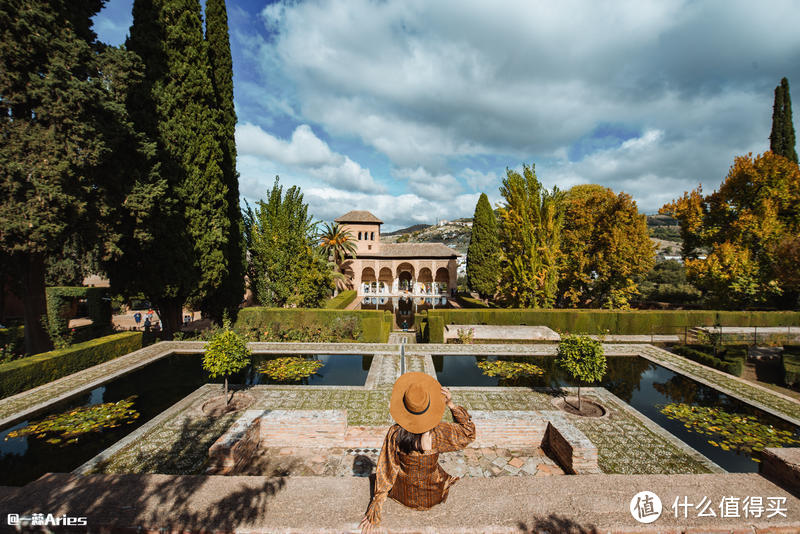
416	480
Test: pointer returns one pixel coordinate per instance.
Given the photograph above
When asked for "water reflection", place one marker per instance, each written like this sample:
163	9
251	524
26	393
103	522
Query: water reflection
644	385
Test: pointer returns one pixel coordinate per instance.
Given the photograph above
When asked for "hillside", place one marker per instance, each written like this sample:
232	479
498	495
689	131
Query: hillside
664	232
454	234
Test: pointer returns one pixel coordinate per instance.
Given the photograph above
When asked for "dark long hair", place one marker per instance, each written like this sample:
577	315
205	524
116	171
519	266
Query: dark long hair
408	441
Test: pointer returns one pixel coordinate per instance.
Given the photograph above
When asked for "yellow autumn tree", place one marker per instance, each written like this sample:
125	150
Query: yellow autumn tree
605	248
748	231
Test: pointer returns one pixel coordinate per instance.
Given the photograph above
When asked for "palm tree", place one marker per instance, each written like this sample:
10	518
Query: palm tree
337	243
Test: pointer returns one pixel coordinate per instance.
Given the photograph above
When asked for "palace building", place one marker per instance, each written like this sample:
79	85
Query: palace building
402	277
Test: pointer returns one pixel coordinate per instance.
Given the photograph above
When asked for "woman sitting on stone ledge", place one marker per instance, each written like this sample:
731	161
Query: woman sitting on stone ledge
408	467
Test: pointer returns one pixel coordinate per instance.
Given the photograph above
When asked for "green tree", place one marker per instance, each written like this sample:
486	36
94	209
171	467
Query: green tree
337	244
177	108
583	358
230	293
483	253
226	354
747	228
606	248
530	239
284	269
61	132
782	138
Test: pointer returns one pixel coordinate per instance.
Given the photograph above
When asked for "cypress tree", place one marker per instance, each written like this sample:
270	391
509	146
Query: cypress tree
178	110
60	132
789	150
782	137
483	253
219	52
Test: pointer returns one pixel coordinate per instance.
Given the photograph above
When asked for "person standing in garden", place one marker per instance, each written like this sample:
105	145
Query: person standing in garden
138	318
408	467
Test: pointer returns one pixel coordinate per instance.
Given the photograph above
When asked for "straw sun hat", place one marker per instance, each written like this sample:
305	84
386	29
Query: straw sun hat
417	403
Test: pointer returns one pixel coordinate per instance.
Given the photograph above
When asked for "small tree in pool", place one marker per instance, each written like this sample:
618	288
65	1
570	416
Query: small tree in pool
226	354
582	357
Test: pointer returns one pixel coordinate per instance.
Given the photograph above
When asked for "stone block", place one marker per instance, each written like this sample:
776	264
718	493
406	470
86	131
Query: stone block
569	447
782	466
235	448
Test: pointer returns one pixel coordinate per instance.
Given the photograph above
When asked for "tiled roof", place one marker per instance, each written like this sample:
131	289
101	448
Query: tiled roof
358	216
411	250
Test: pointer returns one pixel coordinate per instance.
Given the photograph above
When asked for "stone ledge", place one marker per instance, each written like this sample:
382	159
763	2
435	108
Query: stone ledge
125	503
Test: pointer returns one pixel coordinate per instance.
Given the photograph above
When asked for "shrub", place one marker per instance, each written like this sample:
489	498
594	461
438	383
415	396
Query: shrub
466	336
583	358
26	373
12	343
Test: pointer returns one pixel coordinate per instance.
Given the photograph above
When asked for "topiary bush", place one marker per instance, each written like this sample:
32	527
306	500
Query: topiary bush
583	358
226	354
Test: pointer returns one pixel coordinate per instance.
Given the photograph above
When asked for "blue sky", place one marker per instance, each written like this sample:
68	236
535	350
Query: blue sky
412	109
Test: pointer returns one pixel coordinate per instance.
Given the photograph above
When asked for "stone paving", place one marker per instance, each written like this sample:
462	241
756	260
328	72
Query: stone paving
484	462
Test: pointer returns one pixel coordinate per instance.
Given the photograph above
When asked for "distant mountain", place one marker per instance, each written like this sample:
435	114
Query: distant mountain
454	234
415	228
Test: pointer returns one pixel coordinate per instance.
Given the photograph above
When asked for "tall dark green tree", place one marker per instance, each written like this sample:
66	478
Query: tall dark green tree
231	292
58	141
483	254
782	138
177	108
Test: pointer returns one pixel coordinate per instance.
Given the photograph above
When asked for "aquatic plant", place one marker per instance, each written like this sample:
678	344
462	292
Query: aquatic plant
64	428
509	369
290	368
735	431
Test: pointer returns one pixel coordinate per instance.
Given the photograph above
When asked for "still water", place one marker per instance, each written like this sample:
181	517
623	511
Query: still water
157	386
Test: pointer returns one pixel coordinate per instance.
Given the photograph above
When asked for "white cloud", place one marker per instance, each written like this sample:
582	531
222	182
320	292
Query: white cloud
427	185
305	152
425	83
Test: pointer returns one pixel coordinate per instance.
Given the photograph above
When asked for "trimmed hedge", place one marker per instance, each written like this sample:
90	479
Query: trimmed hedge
614	321
59	298
729	359
435	329
26	373
790	362
340	301
372	322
